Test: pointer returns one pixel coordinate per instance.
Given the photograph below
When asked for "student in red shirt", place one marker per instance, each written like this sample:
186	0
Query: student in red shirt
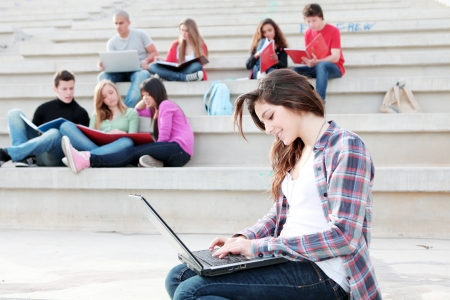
322	68
189	46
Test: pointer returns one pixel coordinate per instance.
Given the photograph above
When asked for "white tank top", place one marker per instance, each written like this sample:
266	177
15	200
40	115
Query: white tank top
306	217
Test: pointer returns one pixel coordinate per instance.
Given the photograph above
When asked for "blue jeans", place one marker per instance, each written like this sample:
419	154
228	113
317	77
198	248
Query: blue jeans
170	75
26	142
170	153
322	72
291	280
82	143
136	78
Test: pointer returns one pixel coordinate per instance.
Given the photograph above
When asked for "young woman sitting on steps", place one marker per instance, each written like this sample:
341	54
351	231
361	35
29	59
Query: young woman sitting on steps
110	115
189	46
322	213
267	31
174	137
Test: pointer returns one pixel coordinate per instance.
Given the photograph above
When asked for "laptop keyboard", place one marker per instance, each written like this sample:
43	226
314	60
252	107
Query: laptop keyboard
206	256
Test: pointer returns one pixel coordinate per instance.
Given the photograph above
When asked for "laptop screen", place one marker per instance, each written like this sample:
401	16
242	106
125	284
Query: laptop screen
166	231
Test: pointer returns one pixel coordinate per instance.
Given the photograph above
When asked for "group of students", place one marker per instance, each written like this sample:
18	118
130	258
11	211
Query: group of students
174	138
323	68
188	46
321	184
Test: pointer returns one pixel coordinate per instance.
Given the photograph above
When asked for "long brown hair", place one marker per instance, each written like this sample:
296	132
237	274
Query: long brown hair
102	111
155	88
293	91
280	39
195	39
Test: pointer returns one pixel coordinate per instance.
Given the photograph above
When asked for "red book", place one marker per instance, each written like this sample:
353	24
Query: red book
264	58
318	47
101	138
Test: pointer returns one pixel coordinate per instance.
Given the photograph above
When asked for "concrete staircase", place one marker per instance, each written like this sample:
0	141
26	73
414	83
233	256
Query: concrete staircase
223	187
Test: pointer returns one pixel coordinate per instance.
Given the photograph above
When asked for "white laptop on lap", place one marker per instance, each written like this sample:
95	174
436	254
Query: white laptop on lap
120	61
202	262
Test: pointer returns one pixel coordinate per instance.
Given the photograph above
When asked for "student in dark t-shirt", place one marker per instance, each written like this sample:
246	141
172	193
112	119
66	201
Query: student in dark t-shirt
26	142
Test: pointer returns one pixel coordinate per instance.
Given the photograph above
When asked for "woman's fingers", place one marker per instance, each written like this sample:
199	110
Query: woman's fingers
218	241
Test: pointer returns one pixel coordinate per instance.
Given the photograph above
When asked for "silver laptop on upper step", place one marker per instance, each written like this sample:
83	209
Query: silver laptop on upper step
202	262
120	61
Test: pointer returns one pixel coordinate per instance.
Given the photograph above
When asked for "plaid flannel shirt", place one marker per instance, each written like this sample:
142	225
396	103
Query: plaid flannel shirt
344	175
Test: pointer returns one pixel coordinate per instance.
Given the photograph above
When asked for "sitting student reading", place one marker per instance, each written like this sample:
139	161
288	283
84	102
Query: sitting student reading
174	137
322	68
27	143
110	115
189	46
267	31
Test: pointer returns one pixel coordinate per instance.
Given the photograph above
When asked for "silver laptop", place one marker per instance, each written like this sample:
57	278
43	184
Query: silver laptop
202	262
120	61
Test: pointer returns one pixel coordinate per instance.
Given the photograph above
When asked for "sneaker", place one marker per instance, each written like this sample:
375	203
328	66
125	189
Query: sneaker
147	161
65	162
158	77
77	160
26	162
261	75
4	156
197	76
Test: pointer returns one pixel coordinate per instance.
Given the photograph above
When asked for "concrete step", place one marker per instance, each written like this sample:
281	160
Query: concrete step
250	5
267	8
377	64
96	199
400	26
345	95
44	17
362	16
214	135
352	44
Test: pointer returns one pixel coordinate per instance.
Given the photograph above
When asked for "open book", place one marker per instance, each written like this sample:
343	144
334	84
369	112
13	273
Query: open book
264	58
44	127
318	47
179	66
101	138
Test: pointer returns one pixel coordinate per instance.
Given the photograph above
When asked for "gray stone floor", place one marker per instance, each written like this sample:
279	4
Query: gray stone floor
103	265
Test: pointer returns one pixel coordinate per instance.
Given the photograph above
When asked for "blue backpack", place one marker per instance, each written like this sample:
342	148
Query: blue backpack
219	100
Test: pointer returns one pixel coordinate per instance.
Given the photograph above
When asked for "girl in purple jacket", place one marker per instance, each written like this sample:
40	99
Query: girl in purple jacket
174	137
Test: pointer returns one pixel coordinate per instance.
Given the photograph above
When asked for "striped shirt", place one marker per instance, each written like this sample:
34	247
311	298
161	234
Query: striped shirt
344	175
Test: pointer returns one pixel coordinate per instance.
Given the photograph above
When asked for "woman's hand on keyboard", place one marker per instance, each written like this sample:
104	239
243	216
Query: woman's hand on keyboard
239	245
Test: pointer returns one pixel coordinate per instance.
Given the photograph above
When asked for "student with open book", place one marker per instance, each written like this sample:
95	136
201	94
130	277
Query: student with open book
329	66
321	217
267	31
27	143
110	115
174	137
189	46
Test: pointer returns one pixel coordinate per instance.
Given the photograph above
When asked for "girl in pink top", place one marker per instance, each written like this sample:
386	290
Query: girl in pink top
174	137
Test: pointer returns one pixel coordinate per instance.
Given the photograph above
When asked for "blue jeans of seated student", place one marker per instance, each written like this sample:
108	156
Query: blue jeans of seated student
26	142
322	72
170	153
82	143
136	78
170	75
291	280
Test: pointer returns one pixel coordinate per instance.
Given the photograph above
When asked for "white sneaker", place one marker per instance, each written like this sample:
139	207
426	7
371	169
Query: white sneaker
197	76
147	161
64	160
261	75
158	77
